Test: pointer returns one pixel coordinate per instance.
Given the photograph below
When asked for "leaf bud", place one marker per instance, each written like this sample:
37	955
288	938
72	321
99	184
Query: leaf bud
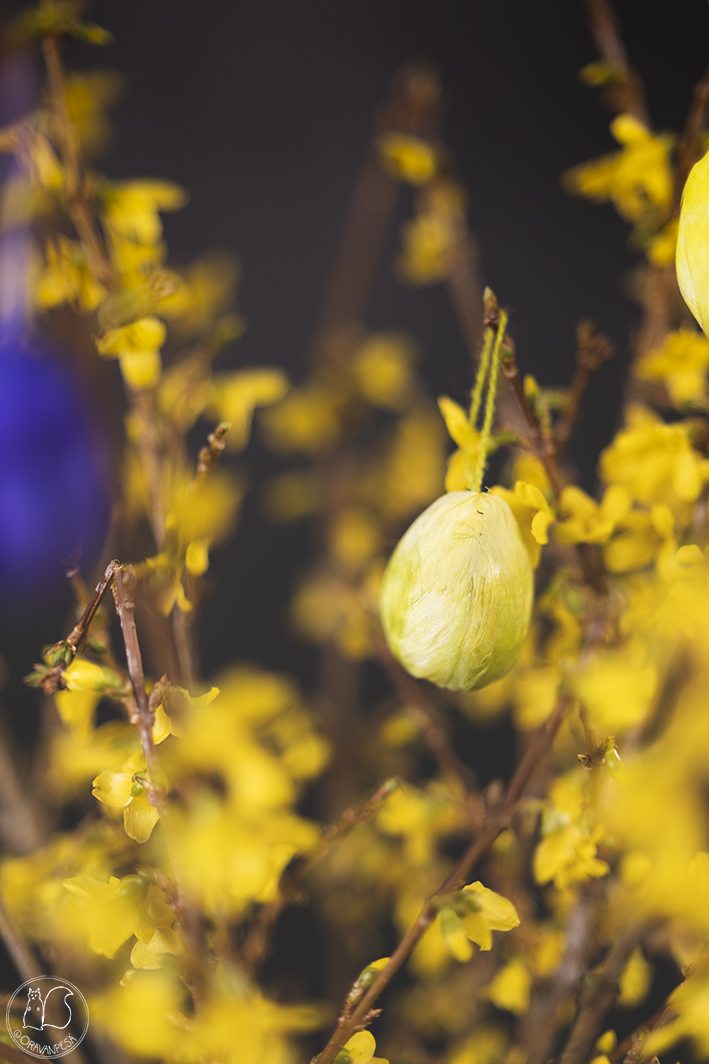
457	593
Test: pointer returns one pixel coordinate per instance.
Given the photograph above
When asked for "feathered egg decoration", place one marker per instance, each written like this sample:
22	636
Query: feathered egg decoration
457	593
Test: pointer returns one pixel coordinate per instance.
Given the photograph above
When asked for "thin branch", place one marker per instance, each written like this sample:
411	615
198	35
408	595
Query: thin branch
544	450
256	943
123	591
497	820
28	967
412	106
465	289
79	199
593	350
688	151
540	1026
625	90
210	455
412	694
64	652
596	999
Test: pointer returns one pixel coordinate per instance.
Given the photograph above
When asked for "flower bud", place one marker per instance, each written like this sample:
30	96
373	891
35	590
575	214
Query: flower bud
693	243
457	593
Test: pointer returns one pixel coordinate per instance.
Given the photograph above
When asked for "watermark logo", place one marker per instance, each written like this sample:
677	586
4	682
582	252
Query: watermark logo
47	1017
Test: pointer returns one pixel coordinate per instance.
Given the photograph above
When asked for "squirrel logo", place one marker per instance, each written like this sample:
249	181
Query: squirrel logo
36	1011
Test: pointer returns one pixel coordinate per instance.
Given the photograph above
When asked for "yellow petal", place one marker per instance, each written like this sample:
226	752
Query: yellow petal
139	818
197	556
361	1047
500	913
510	989
113	788
141	370
540	524
456	420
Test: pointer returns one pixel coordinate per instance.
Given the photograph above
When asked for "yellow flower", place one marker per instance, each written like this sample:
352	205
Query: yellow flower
637	179
307	420
661	249
206	291
534	695
643	536
132	208
383	370
583	520
137	346
163	942
429	239
532	514
142	1013
654	461
681	362
511	987
411	473
359	1050
473	914
567	850
462	462
327	606
420	818
127	790
355	537
114	911
87	96
43	164
408	158
199	513
235	396
66	277
485	1046
85	675
635	980
617	687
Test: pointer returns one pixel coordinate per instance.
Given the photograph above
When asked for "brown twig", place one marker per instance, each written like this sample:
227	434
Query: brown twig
28	967
210	455
593	350
596	999
79	199
625	91
688	151
412	106
544	450
465	288
256	943
66	650
412	694
540	1026
123	591
497	820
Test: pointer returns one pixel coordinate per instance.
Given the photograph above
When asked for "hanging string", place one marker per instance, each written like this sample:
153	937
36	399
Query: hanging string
484	441
475	401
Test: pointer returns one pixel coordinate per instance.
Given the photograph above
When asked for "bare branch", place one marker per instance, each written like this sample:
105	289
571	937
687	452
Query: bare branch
625	91
497	820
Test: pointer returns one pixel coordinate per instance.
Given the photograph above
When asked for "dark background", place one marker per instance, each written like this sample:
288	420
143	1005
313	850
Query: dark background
263	109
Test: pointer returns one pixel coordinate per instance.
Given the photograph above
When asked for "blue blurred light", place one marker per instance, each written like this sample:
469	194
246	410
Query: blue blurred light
54	481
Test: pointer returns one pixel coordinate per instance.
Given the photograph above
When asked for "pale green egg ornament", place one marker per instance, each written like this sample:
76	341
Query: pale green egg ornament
693	243
457	593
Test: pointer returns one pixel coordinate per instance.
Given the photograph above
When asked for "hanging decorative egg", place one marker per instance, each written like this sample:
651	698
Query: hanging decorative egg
457	593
